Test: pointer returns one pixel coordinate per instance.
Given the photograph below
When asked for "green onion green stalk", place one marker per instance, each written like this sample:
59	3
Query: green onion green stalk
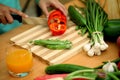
96	18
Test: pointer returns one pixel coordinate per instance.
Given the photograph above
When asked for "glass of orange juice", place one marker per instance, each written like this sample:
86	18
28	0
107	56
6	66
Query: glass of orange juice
19	61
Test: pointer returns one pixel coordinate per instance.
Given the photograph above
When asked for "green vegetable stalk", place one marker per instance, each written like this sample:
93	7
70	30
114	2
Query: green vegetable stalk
77	72
88	74
93	74
92	21
95	21
53	44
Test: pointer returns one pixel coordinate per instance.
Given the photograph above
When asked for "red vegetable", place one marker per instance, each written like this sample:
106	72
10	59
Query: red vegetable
118	65
57	22
118	41
45	77
57	29
80	79
119	53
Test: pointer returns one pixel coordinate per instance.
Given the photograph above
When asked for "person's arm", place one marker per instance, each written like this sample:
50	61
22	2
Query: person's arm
5	14
44	4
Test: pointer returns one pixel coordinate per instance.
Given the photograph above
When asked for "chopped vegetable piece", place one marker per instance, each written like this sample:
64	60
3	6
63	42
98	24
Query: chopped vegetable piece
53	44
57	29
59	47
57	22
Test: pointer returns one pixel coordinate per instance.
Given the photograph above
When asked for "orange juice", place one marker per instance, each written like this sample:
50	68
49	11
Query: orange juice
19	61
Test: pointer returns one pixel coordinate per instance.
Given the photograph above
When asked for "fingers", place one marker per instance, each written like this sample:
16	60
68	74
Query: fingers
9	18
44	9
58	5
18	12
62	8
5	14
3	20
44	4
5	17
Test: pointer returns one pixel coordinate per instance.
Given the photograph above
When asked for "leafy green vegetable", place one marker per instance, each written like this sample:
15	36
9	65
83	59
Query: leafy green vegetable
96	19
89	74
93	22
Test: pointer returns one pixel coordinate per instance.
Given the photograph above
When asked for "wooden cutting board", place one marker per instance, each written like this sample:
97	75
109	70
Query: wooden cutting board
42	31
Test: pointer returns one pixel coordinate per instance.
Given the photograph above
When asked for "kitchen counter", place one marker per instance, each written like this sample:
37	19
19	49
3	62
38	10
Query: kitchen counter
39	65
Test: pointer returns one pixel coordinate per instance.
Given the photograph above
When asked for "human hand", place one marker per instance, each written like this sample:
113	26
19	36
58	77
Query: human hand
44	4
5	14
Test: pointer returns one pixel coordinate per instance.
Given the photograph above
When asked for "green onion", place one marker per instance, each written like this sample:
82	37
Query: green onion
96	18
89	74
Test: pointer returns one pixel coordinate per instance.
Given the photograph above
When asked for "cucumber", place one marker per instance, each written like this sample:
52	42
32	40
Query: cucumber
76	17
63	68
112	29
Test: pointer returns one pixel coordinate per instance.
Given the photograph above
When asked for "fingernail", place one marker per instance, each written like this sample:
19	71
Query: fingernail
47	17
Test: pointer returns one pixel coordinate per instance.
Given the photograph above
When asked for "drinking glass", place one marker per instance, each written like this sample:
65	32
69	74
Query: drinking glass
19	61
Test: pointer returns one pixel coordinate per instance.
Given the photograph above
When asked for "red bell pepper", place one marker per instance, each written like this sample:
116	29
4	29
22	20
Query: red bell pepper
57	22
57	29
